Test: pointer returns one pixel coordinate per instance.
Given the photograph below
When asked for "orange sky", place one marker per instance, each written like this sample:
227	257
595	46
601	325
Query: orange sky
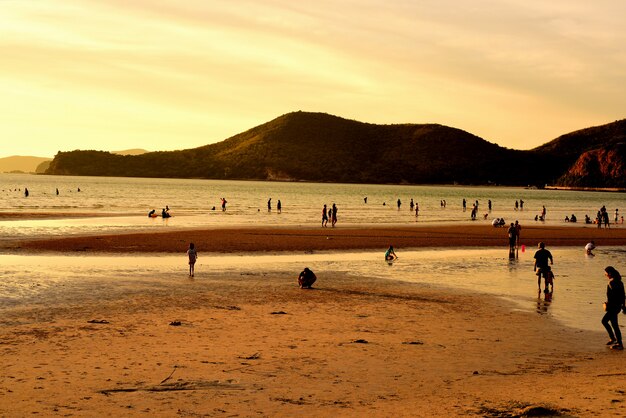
163	75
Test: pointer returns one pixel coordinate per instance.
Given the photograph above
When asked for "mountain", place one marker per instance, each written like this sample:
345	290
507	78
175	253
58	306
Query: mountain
564	152
605	165
326	148
19	163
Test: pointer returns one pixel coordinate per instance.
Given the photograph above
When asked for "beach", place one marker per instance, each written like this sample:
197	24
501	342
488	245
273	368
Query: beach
254	344
246	239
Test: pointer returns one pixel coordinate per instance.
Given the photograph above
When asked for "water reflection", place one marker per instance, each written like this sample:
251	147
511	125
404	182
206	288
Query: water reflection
580	280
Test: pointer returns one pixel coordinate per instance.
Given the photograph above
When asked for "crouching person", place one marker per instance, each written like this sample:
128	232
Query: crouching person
306	278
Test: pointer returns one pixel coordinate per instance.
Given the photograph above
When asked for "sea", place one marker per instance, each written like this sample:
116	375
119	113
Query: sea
122	205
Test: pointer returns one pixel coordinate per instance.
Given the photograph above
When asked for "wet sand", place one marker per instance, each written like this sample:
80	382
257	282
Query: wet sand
256	345
320	239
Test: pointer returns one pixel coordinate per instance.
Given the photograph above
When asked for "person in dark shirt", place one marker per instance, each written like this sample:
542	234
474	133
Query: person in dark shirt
613	305
541	266
306	279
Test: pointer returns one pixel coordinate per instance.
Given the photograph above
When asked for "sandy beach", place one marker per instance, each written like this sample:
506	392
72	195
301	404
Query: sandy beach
256	345
319	239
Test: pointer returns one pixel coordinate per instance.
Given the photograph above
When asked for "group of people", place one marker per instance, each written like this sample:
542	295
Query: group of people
615	296
165	213
329	213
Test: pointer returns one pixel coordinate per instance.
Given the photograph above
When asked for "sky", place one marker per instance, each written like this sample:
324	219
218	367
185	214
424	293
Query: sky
164	75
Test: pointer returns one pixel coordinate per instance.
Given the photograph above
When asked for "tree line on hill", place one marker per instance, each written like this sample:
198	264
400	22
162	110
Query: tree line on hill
302	146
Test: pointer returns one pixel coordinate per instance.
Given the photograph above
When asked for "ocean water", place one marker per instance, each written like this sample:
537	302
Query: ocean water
127	201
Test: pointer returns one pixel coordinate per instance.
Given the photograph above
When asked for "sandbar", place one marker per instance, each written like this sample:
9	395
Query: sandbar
269	239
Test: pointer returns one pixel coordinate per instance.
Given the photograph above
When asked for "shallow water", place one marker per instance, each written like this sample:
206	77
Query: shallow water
580	284
191	202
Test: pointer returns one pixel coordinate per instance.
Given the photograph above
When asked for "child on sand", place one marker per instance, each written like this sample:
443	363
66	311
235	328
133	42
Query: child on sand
390	254
193	256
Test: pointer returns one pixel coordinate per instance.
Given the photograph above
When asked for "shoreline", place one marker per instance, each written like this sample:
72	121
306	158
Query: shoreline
269	239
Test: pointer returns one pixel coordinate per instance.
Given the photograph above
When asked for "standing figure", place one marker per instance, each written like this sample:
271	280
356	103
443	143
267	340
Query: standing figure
223	204
26	192
541	266
193	256
543	212
417	209
399	204
521	204
324	217
269	204
489	204
464	205
279	206
334	215
518	231
613	305
412	205
512	239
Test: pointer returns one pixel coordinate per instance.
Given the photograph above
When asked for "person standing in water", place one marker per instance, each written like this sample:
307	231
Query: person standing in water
541	266
193	256
613	305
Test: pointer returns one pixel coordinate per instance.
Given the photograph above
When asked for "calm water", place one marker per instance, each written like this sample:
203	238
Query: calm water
45	279
580	284
128	201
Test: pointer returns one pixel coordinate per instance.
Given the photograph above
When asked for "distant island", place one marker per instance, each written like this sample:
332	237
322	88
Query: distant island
39	165
304	146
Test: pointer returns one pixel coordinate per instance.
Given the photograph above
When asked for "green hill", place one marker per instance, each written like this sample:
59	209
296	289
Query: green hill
325	148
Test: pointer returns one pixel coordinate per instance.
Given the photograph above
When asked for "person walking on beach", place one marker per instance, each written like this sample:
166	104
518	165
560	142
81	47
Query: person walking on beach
412	205
613	305
543	213
489	204
269	204
521	204
279	207
333	215
399	204
464	205
223	204
518	231
541	266
324	217
26	192
193	256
